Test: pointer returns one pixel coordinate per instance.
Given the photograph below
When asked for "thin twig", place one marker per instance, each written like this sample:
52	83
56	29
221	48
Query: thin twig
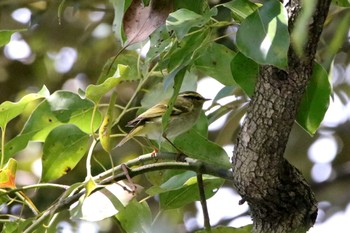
203	202
106	177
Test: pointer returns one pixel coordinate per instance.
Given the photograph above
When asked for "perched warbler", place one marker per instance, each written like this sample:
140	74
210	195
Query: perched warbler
185	112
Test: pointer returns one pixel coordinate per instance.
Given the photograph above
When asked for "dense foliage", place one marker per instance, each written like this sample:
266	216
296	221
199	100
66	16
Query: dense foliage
91	67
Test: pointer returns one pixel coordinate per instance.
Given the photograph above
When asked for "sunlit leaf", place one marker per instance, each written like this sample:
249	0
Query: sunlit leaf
90	186
240	8
101	204
63	149
62	107
263	36
10	110
107	123
8	174
315	101
214	61
95	92
110	69
136	217
5	35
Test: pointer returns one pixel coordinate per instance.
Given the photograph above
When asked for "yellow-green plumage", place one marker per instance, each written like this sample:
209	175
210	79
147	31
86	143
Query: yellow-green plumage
184	115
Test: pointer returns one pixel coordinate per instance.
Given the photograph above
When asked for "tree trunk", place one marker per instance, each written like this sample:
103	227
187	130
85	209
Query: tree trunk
279	198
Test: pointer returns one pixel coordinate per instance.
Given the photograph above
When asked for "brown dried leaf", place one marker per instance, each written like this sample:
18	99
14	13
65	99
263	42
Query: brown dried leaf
140	21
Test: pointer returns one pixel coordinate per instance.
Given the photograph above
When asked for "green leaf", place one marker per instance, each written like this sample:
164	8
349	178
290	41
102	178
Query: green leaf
183	53
315	101
120	7
215	62
244	71
102	204
10	110
197	6
62	107
178	78
342	3
135	217
263	36
173	183
202	125
224	92
159	42
223	229
161	91
8	174
240	8
188	192
18	226
301	25
336	43
110	69
90	186
63	149
232	123
198	147
182	20
5	35
107	123
168	221
95	92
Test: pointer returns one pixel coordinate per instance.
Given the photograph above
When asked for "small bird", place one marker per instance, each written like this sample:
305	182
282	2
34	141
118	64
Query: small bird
185	113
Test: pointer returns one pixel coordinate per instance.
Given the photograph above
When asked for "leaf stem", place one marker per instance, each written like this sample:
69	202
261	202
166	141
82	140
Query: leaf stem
35	186
92	121
3	133
88	159
134	95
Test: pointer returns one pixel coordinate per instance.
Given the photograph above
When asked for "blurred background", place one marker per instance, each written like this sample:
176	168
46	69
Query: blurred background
65	47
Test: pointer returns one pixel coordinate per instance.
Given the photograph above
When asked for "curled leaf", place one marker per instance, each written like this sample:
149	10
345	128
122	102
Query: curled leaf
105	128
8	174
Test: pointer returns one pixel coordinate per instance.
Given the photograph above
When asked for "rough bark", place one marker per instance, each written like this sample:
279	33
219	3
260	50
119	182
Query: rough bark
279	198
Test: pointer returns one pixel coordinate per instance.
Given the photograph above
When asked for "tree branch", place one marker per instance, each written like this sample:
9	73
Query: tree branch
279	197
116	174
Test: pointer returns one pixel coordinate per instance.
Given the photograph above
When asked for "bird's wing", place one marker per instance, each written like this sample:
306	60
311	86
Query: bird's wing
156	111
183	107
